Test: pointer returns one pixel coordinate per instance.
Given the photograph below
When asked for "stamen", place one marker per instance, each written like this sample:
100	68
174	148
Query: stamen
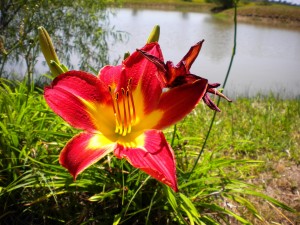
119	127
129	111
127	118
133	118
125	113
114	108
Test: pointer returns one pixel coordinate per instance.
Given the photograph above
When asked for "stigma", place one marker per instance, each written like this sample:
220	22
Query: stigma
123	108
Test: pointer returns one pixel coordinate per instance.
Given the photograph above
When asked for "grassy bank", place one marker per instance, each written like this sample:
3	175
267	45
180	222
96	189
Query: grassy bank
259	13
254	142
271	14
194	6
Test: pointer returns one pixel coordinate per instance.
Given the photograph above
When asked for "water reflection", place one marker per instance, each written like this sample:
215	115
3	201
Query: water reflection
267	59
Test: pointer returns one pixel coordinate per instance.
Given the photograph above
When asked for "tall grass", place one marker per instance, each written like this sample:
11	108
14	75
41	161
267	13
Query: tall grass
35	189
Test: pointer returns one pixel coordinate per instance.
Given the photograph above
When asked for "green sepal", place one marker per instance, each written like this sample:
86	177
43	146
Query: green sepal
65	69
56	68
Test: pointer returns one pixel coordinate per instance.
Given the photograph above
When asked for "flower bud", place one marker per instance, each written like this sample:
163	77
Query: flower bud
154	35
49	53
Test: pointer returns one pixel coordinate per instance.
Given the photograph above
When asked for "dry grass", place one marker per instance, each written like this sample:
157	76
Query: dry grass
282	182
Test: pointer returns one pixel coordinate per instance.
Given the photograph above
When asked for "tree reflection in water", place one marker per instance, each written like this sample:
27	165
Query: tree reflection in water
76	27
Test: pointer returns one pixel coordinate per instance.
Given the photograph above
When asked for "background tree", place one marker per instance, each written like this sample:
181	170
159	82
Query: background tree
71	23
224	4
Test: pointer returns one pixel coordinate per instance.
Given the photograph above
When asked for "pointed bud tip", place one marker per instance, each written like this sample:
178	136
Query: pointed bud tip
126	55
154	35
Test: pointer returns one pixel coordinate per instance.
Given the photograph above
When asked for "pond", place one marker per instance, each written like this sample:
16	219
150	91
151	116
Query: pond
267	59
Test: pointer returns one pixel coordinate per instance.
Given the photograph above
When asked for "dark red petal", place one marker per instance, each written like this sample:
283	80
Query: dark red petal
162	69
159	63
216	92
179	101
173	72
155	158
84	150
192	54
210	103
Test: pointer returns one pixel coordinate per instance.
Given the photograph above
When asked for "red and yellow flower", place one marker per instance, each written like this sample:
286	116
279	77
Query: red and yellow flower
123	110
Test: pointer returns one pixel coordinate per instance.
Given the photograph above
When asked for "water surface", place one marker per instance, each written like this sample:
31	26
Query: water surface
267	59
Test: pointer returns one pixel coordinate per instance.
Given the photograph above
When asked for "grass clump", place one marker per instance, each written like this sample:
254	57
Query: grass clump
35	189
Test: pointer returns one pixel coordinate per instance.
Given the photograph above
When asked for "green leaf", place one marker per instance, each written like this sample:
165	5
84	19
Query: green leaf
102	196
117	219
172	201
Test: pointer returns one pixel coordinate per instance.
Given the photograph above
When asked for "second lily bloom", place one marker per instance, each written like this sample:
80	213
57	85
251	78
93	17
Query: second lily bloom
174	76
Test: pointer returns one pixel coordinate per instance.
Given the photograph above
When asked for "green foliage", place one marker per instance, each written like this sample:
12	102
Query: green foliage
75	26
224	4
35	189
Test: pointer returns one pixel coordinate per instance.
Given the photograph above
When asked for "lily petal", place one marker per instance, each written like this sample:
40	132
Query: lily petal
192	54
155	158
83	150
66	93
112	76
177	102
210	103
145	75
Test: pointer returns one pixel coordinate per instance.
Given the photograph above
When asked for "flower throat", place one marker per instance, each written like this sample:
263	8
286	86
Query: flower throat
124	109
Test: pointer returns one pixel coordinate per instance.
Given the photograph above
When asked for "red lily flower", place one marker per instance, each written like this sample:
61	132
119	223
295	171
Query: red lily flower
174	76
122	110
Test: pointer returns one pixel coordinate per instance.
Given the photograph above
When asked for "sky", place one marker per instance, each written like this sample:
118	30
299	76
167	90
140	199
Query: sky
296	2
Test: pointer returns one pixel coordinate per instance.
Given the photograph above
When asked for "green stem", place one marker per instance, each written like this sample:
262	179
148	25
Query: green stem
173	136
150	206
223	86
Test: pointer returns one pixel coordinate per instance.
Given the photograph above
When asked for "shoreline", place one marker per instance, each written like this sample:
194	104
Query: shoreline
282	16
276	15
